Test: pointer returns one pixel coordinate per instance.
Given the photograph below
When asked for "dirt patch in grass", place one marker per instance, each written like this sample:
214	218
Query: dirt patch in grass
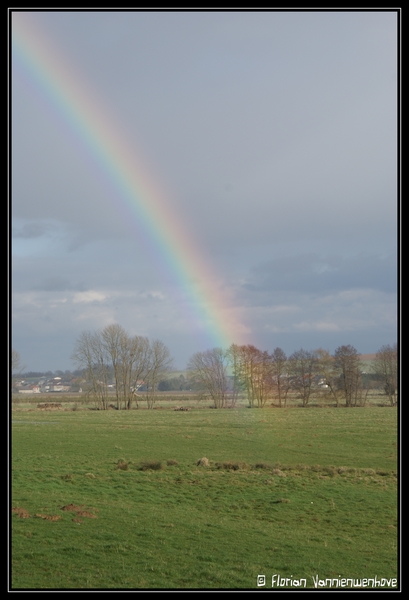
48	517
86	513
79	511
21	512
72	507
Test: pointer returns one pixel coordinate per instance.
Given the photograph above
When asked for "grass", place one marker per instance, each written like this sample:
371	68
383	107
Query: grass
296	492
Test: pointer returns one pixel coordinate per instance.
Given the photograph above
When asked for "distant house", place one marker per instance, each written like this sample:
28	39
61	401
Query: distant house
32	389
60	388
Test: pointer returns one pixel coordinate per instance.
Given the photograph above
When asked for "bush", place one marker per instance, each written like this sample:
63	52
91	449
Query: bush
232	466
151	465
122	464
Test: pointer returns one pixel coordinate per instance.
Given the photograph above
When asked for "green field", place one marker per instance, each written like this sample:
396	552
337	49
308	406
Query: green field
300	493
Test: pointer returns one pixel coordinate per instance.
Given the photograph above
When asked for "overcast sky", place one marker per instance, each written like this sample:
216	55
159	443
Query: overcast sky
273	139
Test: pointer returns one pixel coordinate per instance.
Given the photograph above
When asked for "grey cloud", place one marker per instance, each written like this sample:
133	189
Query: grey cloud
29	230
315	273
271	138
58	284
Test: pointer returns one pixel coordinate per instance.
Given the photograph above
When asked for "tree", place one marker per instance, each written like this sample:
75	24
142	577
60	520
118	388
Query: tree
252	372
114	342
328	372
279	373
111	355
303	367
347	363
15	361
16	367
159	363
210	368
90	355
234	360
385	367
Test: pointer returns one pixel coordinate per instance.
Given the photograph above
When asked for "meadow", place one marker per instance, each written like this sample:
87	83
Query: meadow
117	499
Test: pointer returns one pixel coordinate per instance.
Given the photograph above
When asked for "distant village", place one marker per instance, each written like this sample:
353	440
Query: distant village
67	382
48	384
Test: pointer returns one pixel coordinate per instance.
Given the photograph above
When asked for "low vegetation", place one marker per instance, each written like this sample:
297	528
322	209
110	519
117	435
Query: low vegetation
207	499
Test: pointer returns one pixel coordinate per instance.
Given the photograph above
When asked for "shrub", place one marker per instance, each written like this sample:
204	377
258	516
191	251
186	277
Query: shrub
262	465
151	465
278	472
232	466
122	464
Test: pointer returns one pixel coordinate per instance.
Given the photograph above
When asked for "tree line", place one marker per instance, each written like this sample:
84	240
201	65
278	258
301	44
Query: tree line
263	376
113	362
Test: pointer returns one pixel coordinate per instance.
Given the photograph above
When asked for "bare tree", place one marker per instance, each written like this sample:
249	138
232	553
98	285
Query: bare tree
16	366
252	370
385	366
232	357
279	369
328	372
112	355
135	370
210	368
89	354
303	367
114	340
160	362
15	361
346	360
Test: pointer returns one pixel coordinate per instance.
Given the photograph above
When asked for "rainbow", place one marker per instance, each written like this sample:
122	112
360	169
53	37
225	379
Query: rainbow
205	301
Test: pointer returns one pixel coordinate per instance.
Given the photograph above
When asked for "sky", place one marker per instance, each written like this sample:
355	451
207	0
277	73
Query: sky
203	178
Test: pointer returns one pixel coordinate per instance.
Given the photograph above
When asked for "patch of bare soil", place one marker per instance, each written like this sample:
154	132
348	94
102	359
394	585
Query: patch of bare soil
72	507
20	512
79	512
86	513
